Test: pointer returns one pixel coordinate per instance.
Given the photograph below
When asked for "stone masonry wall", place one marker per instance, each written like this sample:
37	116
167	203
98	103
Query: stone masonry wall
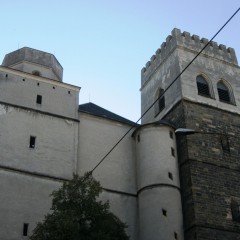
209	175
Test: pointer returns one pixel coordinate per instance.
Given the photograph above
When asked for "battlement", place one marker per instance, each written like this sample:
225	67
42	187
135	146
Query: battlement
191	42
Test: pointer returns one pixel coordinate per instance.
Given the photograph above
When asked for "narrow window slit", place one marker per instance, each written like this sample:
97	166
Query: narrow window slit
32	142
164	212
39	99
25	229
173	152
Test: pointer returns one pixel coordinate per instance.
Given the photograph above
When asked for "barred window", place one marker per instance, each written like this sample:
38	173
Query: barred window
223	92
202	86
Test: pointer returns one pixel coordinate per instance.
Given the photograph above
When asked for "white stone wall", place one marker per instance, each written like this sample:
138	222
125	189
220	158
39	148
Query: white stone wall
162	76
21	89
55	148
213	71
30	67
24	199
158	183
117	173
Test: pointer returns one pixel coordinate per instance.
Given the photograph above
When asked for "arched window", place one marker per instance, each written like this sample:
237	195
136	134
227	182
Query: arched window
202	86
224	93
36	73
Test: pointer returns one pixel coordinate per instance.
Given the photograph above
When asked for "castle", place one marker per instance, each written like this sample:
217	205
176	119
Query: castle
163	185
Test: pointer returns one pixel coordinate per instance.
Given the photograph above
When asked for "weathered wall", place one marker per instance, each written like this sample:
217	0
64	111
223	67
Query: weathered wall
160	77
209	176
117	172
29	59
21	89
158	183
24	199
55	149
213	70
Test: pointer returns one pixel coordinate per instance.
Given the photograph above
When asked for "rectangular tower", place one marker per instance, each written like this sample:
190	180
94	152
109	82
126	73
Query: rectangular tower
204	98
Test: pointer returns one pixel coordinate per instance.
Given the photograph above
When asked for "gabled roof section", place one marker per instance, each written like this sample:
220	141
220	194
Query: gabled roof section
95	110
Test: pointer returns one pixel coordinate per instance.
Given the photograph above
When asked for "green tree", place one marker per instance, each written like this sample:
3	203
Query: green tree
78	214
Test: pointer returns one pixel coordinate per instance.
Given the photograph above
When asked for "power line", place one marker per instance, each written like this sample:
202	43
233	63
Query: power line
116	144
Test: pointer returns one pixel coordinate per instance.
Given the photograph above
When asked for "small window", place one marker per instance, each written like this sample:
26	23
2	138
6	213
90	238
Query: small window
171	134
25	229
170	176
69	92
6	75
225	143
39	99
138	138
38	83
223	92
23	79
164	212
32	142
161	101
202	86
175	235
235	209
36	73
173	152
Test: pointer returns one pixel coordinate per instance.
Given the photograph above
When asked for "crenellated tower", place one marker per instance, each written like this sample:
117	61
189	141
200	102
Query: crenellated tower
204	98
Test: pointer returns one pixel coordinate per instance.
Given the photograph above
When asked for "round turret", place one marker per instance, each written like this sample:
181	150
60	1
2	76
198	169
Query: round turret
159	199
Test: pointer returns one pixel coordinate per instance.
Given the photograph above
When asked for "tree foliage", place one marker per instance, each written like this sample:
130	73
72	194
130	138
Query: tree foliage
78	214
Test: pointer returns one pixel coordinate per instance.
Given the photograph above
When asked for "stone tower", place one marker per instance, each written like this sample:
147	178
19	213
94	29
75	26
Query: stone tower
158	186
39	131
206	98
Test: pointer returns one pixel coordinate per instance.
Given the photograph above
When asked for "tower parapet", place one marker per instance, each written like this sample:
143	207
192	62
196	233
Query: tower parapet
192	43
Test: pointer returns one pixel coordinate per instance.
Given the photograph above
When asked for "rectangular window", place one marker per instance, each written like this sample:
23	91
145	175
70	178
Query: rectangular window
39	99
235	208
164	212
170	176
225	144
173	152
32	142
25	229
161	103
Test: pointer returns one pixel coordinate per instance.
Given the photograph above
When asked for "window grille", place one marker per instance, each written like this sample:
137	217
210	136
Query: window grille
202	86
223	92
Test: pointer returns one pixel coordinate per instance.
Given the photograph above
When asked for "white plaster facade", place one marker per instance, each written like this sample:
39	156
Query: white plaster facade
140	176
72	139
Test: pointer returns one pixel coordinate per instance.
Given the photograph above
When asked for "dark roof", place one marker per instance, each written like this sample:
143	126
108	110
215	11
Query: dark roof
95	110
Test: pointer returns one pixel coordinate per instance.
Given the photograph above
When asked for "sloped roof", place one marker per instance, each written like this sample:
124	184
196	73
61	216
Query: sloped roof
95	110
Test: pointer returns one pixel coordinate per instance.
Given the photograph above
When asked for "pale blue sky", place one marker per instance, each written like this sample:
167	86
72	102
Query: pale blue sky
103	45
